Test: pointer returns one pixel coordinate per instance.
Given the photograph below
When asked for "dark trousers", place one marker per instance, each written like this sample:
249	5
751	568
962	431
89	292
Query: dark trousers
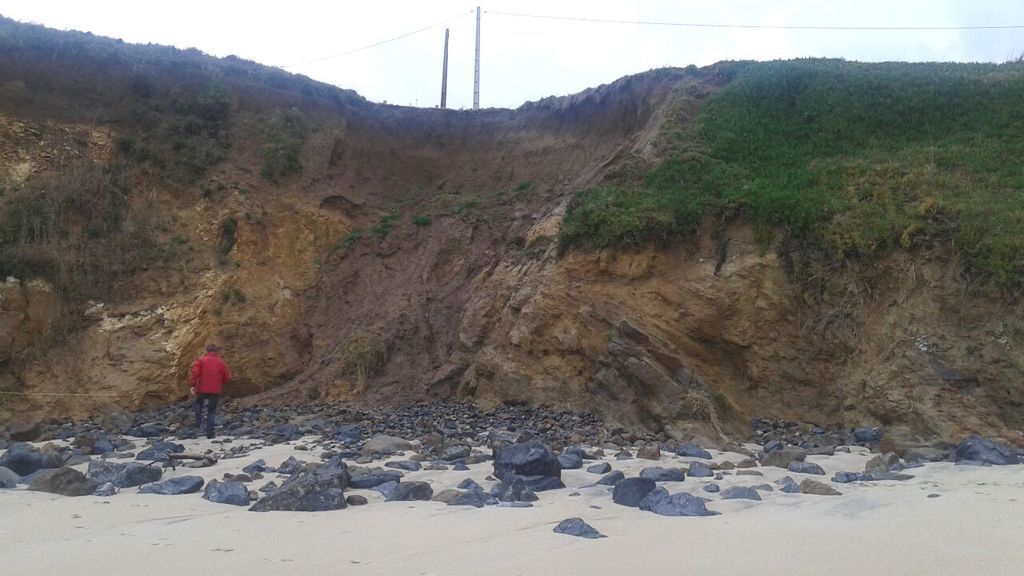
211	412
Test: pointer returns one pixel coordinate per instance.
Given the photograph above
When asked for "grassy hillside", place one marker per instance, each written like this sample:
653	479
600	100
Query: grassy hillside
856	159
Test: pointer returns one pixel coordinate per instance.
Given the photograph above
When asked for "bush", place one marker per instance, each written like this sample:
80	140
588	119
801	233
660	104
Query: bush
365	354
282	151
421	220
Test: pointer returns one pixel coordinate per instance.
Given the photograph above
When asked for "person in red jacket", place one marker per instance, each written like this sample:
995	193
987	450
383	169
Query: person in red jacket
208	377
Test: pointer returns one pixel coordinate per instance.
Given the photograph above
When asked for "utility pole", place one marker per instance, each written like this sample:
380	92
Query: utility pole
444	72
476	66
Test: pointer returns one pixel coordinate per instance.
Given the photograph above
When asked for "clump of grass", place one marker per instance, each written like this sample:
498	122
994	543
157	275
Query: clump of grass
350	240
282	152
466	205
384	226
228	236
523	186
844	156
420	220
364	355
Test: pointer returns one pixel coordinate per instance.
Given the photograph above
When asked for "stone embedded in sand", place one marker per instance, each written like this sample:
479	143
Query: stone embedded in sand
124	475
526	459
692	451
23	459
257	466
925	454
747	463
809	486
740	493
457	452
384	444
513	489
631	491
370	477
577	527
570	461
882	463
65	481
984	450
313	490
712	488
599	468
410	491
470	484
700	470
649	453
234	493
659	474
160	450
356	500
681	504
611	478
268	487
407	465
8	479
174	486
782	458
805	468
847	477
624	454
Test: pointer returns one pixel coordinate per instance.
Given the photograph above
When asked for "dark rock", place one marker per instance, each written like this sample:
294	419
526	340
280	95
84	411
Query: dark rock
408	465
611	478
740	493
290	466
257	466
513	489
693	451
348	433
624	455
542	483
8	478
356	500
809	486
268	487
460	467
474	498
570	461
783	457
243	478
384	444
631	491
599	468
370	477
847	477
749	473
470	484
526	459
883	463
151	430
577	527
315	490
879	475
868	435
65	481
748	463
712	488
774	445
234	493
411	491
386	488
174	486
763	488
700	470
124	475
805	468
102	445
926	454
106	489
659	474
23	459
24	431
975	448
159	451
681	504
649	453
452	453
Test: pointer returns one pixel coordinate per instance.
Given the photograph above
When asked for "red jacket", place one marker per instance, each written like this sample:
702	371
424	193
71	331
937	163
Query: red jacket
209	374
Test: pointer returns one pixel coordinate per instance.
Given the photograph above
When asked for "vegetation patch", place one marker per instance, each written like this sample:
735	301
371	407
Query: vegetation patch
364	355
853	159
284	137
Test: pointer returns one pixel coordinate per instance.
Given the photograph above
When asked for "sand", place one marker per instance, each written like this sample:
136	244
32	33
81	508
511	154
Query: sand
975	525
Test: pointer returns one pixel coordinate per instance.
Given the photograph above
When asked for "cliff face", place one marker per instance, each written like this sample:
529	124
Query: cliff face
411	253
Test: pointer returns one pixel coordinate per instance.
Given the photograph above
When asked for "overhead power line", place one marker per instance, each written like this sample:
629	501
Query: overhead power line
379	43
747	26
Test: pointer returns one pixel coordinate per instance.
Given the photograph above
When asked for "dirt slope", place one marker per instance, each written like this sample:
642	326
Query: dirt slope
431	234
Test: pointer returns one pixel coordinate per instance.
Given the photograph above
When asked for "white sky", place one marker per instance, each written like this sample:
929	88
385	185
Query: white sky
526	59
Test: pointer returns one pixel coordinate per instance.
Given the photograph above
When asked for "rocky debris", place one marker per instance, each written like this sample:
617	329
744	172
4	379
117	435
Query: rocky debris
805	468
319	489
174	486
234	493
692	451
809	486
700	470
453	453
649	453
410	491
978	449
370	477
124	475
659	474
577	527
570	461
740	493
877	475
65	481
599	468
773	445
159	451
631	491
611	478
712	488
384	444
925	454
290	466
348	433
356	500
8	478
407	465
680	504
513	489
783	457
23	459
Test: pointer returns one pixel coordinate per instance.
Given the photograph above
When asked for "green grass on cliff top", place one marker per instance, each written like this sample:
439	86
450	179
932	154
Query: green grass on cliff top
857	158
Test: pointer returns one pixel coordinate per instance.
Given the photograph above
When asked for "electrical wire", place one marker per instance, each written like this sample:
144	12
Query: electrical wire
379	43
750	26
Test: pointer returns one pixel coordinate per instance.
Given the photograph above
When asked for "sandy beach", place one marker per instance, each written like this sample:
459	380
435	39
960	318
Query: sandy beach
975	524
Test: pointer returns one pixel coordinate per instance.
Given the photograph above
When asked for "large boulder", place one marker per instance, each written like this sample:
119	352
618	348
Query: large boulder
174	486
983	450
234	493
123	475
65	481
310	491
631	491
682	504
526	459
23	459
